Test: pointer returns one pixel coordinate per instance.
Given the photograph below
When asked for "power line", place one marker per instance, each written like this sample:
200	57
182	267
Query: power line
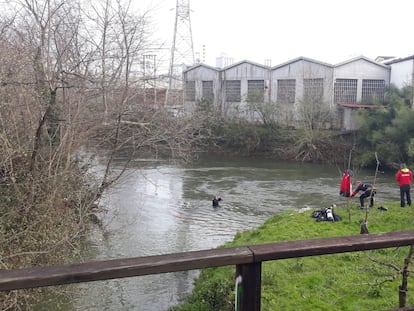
182	53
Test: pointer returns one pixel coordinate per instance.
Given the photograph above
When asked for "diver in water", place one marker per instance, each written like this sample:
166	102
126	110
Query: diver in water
216	201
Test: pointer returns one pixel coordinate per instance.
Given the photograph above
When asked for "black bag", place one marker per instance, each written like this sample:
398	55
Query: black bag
320	215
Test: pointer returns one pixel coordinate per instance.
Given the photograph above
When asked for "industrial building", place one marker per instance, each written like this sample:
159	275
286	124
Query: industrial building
402	70
341	88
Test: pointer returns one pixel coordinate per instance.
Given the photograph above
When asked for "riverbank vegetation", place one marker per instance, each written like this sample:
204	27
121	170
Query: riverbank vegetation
71	80
71	99
351	281
243	138
388	129
385	129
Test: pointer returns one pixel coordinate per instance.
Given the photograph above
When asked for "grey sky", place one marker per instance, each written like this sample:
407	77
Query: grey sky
330	31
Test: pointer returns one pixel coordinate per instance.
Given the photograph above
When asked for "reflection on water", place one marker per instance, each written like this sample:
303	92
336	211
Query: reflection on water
165	208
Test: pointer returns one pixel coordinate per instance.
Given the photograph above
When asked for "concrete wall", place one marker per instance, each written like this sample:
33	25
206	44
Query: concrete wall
243	71
402	73
303	69
199	74
300	69
361	68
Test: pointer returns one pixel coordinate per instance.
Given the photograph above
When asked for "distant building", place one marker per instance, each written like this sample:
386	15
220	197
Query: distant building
296	80
383	59
224	61
201	83
402	71
356	83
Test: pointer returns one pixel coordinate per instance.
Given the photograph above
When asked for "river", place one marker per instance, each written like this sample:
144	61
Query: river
163	207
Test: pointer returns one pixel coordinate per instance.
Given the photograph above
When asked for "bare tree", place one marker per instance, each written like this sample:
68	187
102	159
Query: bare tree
267	111
395	271
70	78
314	117
49	85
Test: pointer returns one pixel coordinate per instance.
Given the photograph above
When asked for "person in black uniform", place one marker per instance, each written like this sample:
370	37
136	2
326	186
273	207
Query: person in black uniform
367	192
216	201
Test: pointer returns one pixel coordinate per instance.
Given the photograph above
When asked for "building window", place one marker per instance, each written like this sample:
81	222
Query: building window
208	93
255	91
286	90
373	90
190	92
233	90
345	91
313	89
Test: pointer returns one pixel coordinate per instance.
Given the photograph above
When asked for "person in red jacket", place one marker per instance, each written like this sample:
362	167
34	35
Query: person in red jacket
404	177
346	184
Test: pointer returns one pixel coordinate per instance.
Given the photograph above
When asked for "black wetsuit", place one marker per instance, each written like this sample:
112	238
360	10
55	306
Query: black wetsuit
367	190
216	202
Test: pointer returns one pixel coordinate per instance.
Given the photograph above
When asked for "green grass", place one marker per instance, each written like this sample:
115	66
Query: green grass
349	281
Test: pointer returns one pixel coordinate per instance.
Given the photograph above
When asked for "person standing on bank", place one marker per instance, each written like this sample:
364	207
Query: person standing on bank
404	177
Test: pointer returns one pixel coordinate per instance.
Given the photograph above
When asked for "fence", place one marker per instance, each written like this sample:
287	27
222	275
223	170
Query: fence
247	259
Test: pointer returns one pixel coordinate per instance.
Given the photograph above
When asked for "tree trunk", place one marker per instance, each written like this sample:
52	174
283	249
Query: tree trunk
403	288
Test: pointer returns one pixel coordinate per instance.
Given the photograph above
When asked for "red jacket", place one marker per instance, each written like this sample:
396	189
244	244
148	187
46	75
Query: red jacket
345	188
404	177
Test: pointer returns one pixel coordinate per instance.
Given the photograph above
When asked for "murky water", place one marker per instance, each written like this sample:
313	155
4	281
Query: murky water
164	208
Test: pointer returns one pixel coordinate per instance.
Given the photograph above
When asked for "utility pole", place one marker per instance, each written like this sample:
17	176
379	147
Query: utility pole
182	53
149	71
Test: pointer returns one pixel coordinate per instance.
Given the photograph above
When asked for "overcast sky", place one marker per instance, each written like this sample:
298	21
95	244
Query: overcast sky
330	31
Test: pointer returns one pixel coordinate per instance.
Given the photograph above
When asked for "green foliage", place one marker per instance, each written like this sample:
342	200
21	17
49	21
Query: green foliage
410	148
212	292
246	139
387	130
235	136
350	281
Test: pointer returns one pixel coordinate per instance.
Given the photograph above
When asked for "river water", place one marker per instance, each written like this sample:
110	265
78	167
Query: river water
162	207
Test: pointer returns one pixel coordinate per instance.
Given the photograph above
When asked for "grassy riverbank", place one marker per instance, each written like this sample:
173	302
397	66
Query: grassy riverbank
351	281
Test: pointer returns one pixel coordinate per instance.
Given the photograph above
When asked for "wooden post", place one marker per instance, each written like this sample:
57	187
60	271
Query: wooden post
250	286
